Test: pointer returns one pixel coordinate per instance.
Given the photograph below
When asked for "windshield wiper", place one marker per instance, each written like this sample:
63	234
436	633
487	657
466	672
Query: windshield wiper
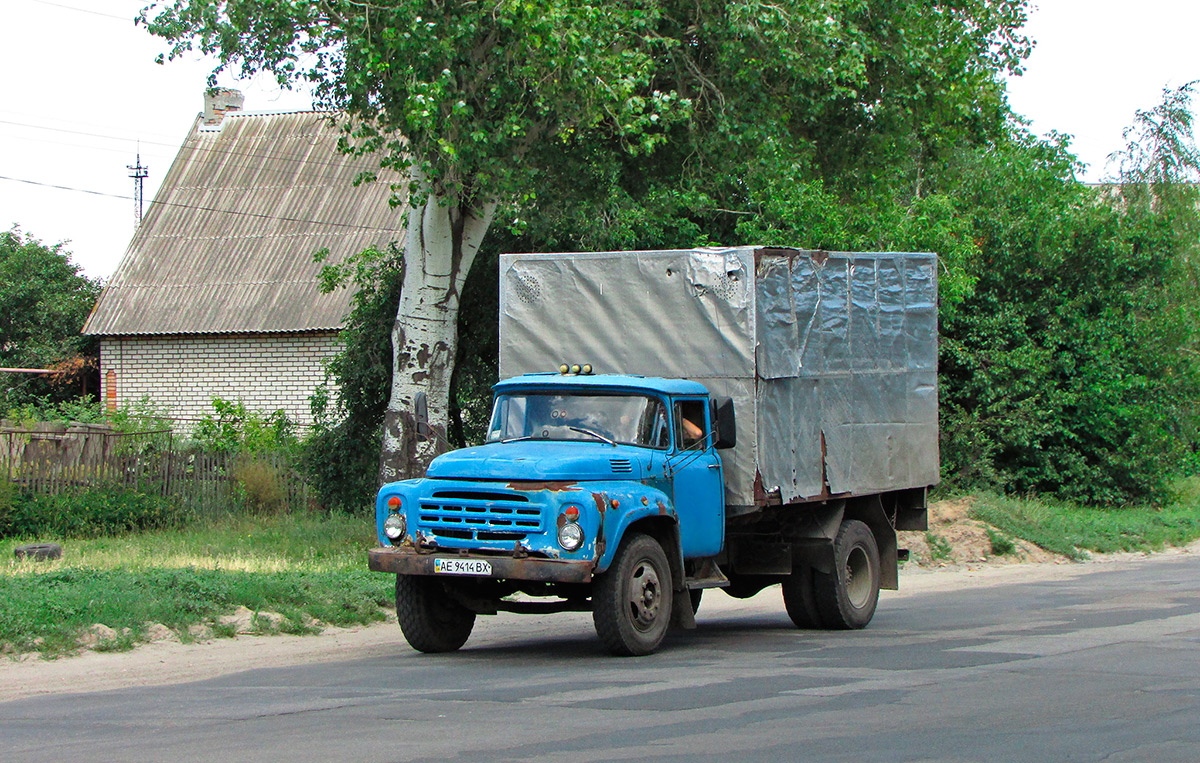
517	439
597	435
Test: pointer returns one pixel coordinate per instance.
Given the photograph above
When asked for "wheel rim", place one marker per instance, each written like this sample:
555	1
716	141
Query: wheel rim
645	595
858	578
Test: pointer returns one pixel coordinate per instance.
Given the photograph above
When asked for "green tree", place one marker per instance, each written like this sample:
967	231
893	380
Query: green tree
351	423
1160	153
44	300
1158	182
481	106
467	101
1065	371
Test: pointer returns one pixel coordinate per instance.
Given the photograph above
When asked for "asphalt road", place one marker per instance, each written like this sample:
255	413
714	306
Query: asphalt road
1102	662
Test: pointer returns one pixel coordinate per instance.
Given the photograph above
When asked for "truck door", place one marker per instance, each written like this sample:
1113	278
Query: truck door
697	481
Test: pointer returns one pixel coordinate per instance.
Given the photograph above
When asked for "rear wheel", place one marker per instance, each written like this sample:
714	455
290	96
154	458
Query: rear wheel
631	601
430	619
798	598
845	599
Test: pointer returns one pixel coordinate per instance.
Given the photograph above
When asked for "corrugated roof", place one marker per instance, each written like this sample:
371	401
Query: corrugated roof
227	244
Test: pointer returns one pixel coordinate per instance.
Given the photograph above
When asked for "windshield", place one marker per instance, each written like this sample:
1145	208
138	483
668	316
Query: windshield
629	419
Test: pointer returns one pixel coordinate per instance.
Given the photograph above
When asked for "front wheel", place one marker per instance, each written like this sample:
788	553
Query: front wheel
631	601
429	618
845	599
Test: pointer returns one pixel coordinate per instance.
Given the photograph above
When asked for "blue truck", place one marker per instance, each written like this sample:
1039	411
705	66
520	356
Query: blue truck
673	421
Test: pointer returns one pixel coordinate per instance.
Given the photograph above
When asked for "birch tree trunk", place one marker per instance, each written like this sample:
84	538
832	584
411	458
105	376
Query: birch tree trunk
443	238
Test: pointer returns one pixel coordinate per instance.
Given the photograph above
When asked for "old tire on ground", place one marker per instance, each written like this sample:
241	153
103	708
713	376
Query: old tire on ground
846	598
798	598
631	601
39	551
430	619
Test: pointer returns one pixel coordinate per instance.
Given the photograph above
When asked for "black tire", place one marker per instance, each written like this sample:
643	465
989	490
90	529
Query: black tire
430	619
799	600
38	551
631	601
846	599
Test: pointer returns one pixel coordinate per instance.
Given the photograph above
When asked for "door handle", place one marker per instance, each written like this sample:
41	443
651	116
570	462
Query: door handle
714	466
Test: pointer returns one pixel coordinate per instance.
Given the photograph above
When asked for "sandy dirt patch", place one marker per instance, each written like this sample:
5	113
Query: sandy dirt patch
170	662
954	539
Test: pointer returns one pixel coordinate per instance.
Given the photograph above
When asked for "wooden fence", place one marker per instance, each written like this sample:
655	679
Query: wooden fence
53	458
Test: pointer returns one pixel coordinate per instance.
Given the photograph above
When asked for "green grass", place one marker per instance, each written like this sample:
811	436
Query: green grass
1073	530
939	547
1001	543
303	567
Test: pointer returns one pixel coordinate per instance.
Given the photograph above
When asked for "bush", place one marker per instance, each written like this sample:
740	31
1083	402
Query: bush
236	429
86	513
261	484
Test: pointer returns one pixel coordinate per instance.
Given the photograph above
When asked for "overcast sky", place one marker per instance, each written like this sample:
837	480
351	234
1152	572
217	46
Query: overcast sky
81	94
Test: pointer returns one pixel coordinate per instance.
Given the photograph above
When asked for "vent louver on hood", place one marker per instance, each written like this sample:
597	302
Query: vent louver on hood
621	465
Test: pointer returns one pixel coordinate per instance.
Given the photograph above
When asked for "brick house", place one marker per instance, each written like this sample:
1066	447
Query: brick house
217	294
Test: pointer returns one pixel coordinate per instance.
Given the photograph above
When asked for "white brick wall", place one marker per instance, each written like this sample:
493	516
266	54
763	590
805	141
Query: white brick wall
182	373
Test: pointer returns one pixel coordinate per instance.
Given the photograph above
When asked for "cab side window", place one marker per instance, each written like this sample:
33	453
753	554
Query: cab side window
653	429
691	430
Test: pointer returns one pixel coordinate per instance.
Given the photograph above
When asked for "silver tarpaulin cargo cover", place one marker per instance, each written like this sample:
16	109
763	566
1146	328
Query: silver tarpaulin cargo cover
830	357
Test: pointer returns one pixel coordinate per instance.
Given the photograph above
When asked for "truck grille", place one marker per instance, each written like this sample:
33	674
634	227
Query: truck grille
480	515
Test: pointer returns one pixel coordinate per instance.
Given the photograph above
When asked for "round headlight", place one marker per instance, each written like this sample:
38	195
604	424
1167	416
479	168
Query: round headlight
570	536
394	526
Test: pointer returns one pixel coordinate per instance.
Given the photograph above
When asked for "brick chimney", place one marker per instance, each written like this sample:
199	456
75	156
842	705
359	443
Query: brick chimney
217	103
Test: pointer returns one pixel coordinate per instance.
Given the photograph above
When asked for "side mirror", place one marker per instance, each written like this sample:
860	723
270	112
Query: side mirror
421	417
724	425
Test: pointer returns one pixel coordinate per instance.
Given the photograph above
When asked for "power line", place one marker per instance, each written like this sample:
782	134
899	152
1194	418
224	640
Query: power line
179	205
24	115
79	132
66	188
295	160
83	10
110	149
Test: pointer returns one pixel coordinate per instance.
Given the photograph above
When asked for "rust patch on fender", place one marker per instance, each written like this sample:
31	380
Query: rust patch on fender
530	486
662	508
601	506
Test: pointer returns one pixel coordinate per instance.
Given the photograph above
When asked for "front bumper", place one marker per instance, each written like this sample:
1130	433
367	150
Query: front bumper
407	561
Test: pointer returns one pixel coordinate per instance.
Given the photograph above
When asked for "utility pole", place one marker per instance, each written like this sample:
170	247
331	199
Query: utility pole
138	173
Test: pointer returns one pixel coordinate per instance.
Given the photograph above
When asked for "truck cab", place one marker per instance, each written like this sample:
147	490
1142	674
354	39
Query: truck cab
576	470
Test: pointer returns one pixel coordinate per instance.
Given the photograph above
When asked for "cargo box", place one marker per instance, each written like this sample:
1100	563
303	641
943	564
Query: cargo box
830	357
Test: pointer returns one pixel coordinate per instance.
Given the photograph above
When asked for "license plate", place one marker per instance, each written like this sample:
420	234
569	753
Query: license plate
462	567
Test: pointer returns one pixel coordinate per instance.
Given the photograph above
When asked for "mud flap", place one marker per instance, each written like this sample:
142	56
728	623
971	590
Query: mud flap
682	615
